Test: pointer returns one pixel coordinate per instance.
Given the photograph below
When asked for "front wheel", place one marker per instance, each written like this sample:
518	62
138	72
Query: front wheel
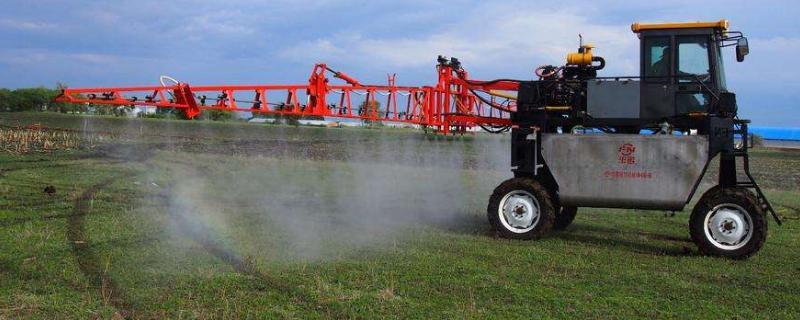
728	222
521	208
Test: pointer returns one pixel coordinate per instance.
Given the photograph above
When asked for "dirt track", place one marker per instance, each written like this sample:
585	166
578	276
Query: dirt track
87	258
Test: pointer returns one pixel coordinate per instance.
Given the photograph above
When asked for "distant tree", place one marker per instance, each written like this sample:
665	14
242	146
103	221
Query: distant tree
169	113
72	108
6	99
218	115
32	99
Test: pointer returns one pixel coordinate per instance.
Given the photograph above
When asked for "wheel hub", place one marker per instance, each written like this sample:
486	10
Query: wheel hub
728	226
519	210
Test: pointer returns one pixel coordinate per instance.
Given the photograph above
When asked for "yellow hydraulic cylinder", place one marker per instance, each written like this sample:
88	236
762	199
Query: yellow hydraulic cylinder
503	94
581	58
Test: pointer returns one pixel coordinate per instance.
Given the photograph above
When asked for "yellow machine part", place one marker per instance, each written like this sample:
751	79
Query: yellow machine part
639	27
557	108
581	58
503	94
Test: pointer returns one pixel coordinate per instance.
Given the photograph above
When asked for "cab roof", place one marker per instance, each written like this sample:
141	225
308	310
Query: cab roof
639	27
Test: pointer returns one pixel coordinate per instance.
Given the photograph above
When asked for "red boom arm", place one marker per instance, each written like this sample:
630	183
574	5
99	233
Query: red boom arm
452	104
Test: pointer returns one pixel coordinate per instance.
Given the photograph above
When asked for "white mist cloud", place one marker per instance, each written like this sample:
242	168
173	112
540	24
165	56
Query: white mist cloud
370	193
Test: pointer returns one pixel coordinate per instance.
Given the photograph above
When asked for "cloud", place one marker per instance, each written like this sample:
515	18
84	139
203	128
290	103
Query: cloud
226	22
27	25
30	57
491	36
764	61
94	58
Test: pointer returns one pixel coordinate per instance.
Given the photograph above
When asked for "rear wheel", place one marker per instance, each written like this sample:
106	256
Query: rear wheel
521	208
728	222
565	217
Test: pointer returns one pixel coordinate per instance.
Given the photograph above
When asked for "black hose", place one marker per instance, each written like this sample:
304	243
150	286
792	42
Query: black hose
495	130
491	104
478	82
602	63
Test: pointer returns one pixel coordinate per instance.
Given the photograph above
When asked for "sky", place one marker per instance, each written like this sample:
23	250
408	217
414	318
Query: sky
122	43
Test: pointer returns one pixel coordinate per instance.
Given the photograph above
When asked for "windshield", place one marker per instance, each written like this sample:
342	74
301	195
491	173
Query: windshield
693	59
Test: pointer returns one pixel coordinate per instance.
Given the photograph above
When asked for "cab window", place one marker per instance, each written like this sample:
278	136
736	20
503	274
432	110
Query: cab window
657	58
693	59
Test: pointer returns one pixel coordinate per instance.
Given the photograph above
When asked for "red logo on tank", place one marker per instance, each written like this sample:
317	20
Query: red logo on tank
625	155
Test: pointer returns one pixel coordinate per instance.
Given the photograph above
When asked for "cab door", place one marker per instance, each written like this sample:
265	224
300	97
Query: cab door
678	76
658	89
694	74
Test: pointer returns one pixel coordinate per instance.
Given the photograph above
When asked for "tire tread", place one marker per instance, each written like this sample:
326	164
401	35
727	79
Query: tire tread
740	196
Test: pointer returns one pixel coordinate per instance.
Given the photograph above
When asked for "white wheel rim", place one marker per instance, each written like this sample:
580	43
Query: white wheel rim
519	211
728	226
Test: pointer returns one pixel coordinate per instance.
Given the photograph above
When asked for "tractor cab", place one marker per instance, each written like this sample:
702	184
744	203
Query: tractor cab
682	71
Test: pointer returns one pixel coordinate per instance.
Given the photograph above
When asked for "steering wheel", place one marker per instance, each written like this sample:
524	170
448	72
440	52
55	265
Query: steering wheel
546	71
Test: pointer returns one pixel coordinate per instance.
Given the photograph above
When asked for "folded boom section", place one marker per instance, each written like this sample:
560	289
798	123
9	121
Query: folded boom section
453	104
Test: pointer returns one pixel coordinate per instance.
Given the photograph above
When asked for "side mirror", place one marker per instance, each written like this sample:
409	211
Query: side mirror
742	49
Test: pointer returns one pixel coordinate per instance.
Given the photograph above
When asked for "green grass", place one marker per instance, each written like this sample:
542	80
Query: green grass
204	220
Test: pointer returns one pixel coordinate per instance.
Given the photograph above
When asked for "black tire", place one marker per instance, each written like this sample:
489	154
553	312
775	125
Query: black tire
565	218
746	208
710	191
520	190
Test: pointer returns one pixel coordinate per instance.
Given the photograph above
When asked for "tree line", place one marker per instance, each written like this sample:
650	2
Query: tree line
43	99
32	99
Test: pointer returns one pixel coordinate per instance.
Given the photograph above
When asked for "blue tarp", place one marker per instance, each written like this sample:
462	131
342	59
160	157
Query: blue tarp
770	133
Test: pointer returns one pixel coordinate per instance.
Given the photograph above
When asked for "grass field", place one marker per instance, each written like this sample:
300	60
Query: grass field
174	219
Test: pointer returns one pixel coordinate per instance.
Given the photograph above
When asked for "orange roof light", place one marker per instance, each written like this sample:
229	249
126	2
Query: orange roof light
639	27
